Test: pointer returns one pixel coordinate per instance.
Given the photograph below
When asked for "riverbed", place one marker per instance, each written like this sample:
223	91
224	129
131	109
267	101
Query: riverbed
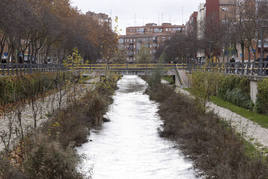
129	147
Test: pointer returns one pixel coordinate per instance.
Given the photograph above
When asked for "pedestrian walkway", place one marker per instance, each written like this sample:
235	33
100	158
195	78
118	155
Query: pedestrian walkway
250	130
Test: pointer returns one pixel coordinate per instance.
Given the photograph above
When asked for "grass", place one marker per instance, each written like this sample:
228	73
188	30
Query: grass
260	119
169	79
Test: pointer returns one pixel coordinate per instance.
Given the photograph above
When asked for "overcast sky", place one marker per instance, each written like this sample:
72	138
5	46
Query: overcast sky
140	12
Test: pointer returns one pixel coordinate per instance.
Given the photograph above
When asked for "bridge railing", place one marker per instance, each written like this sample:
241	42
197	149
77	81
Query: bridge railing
18	69
253	68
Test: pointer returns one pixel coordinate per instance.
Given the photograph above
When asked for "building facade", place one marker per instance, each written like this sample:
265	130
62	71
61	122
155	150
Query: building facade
150	36
191	25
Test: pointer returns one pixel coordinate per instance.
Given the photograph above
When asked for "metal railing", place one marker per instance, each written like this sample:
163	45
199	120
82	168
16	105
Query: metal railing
253	68
239	68
18	69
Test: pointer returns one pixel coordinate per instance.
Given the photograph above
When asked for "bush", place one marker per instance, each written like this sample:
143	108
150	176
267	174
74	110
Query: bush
234	89
230	82
237	97
262	97
7	171
14	89
48	160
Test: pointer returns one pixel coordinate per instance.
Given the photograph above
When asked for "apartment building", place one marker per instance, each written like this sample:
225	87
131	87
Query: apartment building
150	36
191	25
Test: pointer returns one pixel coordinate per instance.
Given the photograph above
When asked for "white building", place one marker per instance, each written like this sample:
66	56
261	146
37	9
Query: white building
201	18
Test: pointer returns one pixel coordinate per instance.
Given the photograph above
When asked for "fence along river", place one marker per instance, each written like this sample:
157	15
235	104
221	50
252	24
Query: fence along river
129	146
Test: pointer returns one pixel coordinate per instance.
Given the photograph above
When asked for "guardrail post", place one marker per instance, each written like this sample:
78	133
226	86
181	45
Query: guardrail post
260	70
265	68
30	68
3	69
20	69
12	69
16	68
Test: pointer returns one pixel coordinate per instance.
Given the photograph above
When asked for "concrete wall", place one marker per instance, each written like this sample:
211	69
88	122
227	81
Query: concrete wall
253	91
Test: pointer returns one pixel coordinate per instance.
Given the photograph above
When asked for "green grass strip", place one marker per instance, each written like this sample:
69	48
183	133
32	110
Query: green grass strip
260	119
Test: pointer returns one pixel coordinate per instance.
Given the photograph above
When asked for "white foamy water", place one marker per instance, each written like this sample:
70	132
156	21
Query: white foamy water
129	146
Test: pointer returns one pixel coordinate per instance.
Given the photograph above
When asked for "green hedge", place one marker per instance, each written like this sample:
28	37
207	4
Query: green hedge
234	89
18	88
262	97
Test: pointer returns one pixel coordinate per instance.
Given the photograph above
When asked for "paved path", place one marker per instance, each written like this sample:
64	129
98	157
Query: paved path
43	109
250	130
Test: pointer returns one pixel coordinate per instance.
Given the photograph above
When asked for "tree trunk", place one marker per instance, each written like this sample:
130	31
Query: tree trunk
243	51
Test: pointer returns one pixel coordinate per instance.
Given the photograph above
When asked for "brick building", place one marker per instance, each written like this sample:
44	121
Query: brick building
151	36
191	25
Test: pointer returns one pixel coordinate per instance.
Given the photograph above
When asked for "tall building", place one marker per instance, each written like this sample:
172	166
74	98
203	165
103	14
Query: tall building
191	25
227	10
201	19
212	12
151	36
101	18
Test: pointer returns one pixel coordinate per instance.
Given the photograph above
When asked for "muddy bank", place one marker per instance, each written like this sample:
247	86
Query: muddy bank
212	144
49	151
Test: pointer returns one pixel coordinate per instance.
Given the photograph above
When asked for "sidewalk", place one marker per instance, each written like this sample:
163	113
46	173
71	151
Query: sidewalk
250	130
43	109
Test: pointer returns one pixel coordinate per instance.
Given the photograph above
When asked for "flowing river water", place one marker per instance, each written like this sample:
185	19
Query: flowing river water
129	146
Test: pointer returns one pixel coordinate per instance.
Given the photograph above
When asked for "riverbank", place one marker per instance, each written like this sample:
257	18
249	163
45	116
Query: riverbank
48	152
212	144
255	134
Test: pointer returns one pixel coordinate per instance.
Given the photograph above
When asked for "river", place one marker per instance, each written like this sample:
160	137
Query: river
129	146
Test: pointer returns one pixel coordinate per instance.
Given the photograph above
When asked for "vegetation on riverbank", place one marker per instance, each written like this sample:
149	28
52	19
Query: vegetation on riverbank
212	144
49	151
260	119
232	92
19	89
262	97
169	79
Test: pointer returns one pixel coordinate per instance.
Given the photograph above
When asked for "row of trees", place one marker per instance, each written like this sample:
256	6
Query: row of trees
239	25
43	28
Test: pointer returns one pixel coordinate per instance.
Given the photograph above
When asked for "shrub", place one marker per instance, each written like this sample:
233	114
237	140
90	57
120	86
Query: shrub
7	171
234	89
48	160
262	97
14	89
237	97
230	82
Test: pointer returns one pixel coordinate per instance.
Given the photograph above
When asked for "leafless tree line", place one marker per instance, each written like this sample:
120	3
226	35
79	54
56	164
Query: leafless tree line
42	28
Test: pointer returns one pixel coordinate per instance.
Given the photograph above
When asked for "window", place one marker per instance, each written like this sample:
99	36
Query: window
140	30
157	30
